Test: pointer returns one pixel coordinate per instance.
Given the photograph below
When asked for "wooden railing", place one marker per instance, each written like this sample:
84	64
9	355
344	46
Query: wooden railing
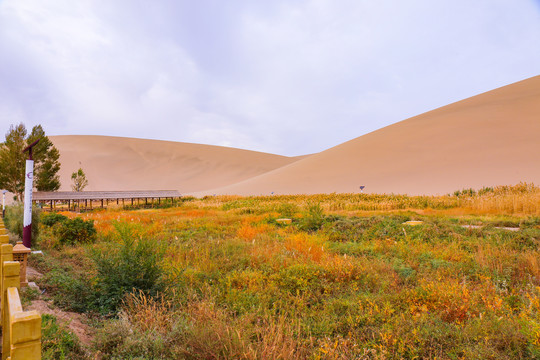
21	330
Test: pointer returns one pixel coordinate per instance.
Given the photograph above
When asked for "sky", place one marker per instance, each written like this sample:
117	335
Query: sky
289	77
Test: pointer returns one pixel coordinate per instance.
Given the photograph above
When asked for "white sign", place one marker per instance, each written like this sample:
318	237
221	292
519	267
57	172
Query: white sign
28	186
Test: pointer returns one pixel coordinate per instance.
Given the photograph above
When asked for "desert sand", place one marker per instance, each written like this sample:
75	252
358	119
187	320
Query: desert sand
120	164
489	139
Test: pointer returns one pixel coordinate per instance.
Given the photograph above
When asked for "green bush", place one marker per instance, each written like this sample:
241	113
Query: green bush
51	219
14	220
72	231
134	264
313	218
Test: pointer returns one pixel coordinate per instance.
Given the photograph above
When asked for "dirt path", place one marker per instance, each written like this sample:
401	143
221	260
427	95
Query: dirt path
75	322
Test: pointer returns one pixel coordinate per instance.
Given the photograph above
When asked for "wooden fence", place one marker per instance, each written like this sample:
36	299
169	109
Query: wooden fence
21	330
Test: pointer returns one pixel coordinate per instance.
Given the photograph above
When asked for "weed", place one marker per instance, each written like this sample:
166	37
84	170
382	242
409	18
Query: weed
57	343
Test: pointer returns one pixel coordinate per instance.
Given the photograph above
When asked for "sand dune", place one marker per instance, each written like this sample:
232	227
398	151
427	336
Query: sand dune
115	163
486	140
489	139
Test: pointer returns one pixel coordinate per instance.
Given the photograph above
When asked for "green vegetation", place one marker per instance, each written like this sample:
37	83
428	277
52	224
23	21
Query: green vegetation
57	343
12	160
134	264
62	230
14	220
221	278
79	180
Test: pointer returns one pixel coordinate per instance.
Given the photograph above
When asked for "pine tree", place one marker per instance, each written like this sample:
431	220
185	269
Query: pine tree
46	161
13	160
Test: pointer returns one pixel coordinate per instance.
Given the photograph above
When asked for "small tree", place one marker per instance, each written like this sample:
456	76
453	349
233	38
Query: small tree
79	180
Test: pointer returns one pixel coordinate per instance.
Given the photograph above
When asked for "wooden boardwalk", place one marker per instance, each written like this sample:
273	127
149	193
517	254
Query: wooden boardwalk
84	200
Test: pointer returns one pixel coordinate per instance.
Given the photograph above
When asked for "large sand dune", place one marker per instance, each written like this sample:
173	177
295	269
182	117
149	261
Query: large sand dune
116	163
489	139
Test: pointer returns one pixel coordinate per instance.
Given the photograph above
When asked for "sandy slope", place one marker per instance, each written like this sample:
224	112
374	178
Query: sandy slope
489	139
114	163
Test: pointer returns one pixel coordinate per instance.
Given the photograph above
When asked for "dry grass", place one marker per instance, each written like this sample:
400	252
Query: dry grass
355	283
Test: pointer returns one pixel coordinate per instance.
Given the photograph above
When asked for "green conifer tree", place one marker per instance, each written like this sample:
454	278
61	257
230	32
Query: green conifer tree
13	160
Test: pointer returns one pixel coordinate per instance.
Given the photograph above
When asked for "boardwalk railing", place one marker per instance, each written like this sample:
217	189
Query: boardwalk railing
21	330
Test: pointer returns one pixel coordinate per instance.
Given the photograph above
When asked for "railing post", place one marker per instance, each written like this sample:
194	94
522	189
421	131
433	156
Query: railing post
6	254
25	329
10	278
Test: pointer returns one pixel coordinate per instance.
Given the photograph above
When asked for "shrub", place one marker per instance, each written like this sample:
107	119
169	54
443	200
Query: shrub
134	264
71	231
287	210
14	220
51	219
313	219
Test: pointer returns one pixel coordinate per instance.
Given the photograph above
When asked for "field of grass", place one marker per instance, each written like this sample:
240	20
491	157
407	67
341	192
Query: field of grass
224	278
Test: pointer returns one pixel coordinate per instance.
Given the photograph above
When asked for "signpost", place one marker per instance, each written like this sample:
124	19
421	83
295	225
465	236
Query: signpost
28	186
4	203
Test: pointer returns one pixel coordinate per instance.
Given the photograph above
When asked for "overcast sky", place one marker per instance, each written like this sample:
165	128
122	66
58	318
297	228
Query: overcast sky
283	76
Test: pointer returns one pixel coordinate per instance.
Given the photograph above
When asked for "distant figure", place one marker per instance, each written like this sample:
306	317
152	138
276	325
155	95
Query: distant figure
362	188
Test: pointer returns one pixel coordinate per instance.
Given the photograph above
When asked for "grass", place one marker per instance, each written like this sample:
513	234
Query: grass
57	342
346	279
